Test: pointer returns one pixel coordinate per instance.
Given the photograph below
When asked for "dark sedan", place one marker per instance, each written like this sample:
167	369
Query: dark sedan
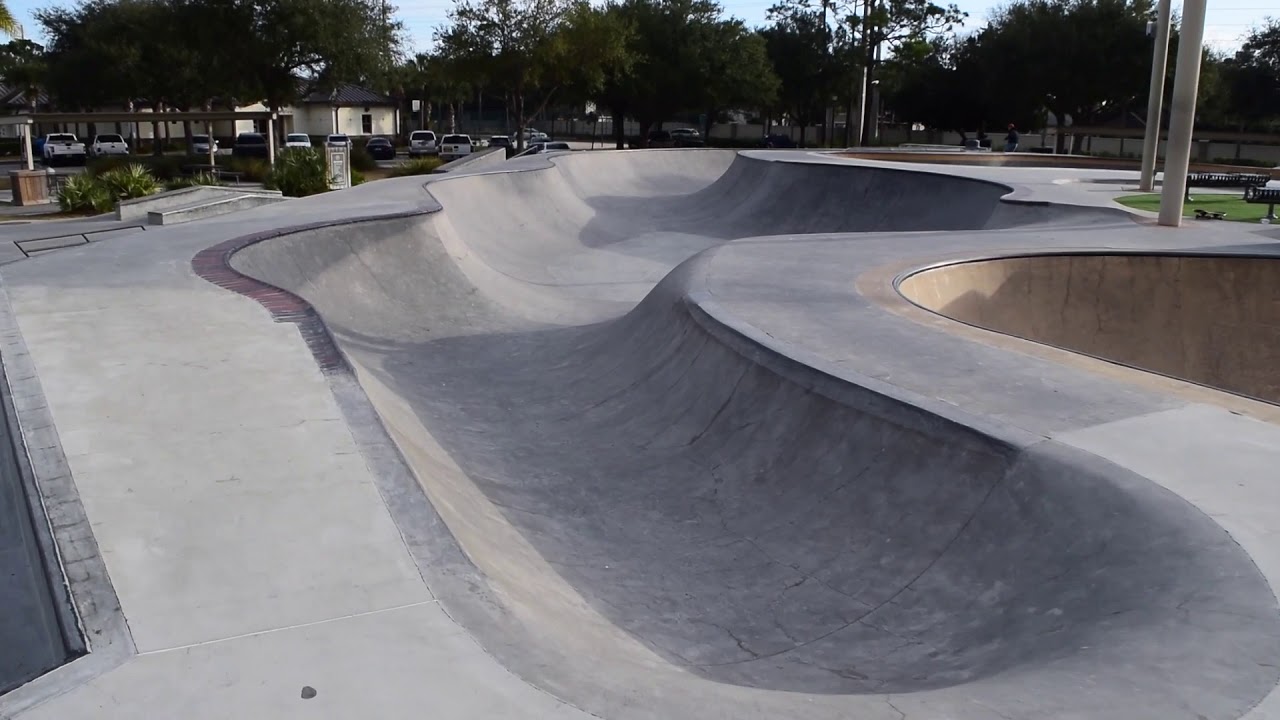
380	149
250	145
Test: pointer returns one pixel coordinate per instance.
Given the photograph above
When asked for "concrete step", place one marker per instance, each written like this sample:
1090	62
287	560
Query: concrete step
210	208
139	208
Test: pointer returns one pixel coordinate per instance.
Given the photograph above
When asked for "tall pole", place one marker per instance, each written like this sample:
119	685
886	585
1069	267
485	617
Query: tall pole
864	81
1159	60
1182	114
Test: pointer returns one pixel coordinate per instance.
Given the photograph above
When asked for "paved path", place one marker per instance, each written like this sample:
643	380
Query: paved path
262	536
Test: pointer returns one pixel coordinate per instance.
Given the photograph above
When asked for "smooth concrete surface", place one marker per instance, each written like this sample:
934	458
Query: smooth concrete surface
673	511
1206	319
692	454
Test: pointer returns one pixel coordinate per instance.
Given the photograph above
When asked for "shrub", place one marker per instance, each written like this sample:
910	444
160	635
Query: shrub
164	167
85	193
1244	162
252	169
128	182
298	173
417	166
357	177
361	160
201	178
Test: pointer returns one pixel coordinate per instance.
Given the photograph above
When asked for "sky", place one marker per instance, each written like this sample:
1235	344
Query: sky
1227	20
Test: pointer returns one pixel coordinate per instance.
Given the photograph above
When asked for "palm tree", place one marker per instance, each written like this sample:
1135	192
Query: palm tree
8	23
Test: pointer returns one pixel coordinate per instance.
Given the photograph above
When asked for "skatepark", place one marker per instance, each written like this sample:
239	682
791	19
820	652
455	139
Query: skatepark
659	434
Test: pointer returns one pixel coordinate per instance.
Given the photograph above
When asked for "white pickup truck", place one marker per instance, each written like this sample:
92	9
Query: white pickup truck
63	148
453	147
108	145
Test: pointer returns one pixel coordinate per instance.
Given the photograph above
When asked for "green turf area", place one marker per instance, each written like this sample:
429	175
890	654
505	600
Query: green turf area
1233	205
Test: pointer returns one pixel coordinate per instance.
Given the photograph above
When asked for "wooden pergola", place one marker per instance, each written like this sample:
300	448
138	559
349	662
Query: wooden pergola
27	121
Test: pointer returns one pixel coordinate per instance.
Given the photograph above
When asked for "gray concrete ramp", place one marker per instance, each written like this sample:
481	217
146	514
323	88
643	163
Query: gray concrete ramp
671	517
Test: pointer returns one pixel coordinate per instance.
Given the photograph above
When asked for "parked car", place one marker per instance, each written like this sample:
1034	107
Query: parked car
453	147
250	145
503	141
200	145
338	139
686	137
297	140
59	148
380	148
422	142
545	147
532	136
108	145
778	141
661	139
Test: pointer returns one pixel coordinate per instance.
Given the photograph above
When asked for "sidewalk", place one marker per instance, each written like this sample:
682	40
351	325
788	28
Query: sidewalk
244	534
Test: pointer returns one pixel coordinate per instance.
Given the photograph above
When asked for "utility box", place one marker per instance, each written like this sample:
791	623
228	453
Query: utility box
30	187
337	158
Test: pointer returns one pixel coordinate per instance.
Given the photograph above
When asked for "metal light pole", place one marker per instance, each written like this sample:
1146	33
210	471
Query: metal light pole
1159	60
1182	115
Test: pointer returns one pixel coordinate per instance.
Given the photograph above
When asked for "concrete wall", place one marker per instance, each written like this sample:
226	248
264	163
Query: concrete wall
1208	320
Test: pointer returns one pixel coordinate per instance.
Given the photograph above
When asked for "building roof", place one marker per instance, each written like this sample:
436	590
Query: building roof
11	97
348	94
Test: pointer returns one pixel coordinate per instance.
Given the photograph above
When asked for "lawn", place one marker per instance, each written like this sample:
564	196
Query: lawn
1234	206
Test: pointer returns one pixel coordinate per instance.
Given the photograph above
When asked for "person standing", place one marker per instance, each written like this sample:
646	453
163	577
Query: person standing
1011	139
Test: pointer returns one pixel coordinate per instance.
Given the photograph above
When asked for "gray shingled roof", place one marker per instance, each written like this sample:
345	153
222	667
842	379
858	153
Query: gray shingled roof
348	95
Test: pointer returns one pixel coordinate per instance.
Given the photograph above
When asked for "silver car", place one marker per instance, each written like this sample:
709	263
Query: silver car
200	145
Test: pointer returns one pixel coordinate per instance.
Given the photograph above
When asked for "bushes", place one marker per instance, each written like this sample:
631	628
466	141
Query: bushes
97	192
85	193
417	166
251	169
298	173
128	182
201	178
361	160
163	167
1244	162
357	178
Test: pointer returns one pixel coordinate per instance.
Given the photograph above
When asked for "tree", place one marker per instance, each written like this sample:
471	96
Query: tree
272	44
893	25
513	41
736	69
1252	77
813	51
679	55
22	67
1082	59
8	23
813	62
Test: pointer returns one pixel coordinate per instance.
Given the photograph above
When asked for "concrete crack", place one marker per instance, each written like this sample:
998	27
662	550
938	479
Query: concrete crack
888	700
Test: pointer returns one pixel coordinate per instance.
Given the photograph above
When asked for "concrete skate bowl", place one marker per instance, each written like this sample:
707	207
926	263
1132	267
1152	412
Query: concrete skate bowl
665	518
1213	320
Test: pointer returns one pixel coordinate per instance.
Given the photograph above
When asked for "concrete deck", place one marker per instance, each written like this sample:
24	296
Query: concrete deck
659	439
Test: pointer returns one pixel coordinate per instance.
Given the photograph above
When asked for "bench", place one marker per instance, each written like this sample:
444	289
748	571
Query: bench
1225	180
1259	195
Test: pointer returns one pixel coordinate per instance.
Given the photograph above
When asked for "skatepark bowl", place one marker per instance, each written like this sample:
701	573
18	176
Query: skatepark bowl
663	515
1211	320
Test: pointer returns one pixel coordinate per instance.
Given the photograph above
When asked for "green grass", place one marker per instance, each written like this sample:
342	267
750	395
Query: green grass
1236	209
